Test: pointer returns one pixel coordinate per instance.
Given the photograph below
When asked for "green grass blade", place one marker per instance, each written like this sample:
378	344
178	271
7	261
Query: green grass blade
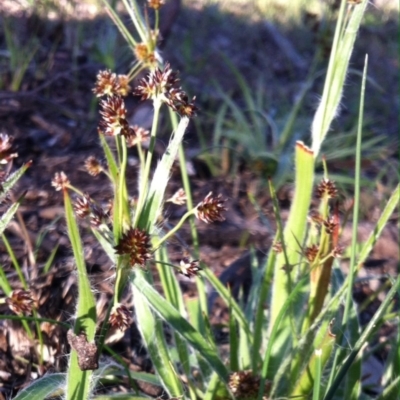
8	216
49	385
366	334
152	333
153	205
172	316
12	180
78	381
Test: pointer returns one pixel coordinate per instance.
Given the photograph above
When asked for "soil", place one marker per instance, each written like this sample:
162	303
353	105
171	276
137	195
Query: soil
53	120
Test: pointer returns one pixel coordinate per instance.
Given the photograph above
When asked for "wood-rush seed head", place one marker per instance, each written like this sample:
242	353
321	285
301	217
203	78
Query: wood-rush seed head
20	302
60	181
211	209
189	268
120	317
326	188
136	244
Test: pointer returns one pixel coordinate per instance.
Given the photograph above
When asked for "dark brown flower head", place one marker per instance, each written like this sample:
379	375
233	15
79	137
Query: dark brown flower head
93	166
135	243
163	85
20	301
311	252
120	317
316	218
60	181
114	116
178	100
137	135
155	4
245	385
144	55
157	84
330	225
277	247
189	268
6	151
179	198
337	251
211	209
326	188
107	84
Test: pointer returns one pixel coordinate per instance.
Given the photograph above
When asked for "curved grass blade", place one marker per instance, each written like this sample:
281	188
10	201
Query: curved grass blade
50	385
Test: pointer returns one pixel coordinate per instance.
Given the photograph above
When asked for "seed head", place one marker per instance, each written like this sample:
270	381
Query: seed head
135	243
245	385
326	188
144	55
155	4
60	181
114	117
163	84
20	302
93	166
311	252
210	209
120	317
337	251
330	225
107	84
136	135
6	151
179	198
189	268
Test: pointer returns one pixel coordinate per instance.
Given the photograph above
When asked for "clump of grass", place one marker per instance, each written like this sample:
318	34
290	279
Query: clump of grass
296	347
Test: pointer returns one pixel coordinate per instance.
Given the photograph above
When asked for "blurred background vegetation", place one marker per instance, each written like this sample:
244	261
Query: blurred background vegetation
256	68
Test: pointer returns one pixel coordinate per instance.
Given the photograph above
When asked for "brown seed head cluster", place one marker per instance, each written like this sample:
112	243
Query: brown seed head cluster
135	243
93	166
20	301
6	150
311	252
85	207
60	181
163	84
155	4
330	225
337	251
120	317
110	84
179	198
189	268
211	209
114	120
244	385
137	135
326	188
145	55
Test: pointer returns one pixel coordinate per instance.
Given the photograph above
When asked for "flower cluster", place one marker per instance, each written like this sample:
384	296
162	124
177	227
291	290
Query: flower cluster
211	209
136	244
114	120
111	84
243	384
163	85
93	166
6	151
85	207
145	55
120	317
189	268
326	188
60	181
311	252
20	301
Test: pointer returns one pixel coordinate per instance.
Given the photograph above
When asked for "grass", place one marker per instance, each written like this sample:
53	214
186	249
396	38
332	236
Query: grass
303	345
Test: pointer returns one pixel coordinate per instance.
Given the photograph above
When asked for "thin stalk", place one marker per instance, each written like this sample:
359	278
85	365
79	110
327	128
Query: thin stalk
146	172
